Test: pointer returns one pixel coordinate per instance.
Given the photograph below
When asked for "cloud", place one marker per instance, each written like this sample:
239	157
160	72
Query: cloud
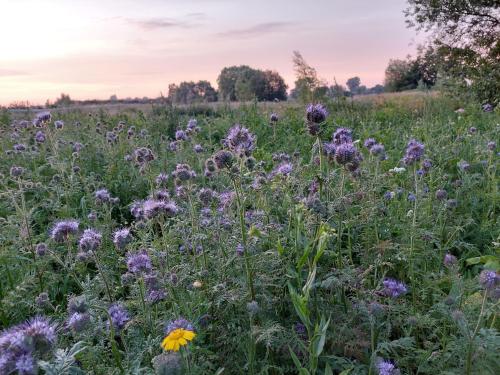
256	30
157	23
11	73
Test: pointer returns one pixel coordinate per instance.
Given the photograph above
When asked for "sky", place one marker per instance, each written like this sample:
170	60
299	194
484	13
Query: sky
136	48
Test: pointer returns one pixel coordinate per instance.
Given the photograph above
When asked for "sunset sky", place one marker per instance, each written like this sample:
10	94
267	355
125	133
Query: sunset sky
132	48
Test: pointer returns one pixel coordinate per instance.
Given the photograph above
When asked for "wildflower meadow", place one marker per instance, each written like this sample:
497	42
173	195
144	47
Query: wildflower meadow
340	237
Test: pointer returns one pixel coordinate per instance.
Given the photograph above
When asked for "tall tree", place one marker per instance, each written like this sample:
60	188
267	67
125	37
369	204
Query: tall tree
465	41
353	84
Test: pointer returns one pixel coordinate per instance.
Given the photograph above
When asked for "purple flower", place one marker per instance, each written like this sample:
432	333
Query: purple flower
411	197
26	365
198	148
136	209
441	195
387	368
183	172
463	166
40	137
119	316
316	113
389	195
59	124
90	240
449	260
491	145
78	321
378	150
153	208
16	171
161	179
342	135
489	279
19	147
63	229
139	262
414	152
284	169
192	124
41	334
369	143
102	196
240	140
240	250
223	159
345	153
207	196
180	135
394	288
42	118
178	323
273	117
143	155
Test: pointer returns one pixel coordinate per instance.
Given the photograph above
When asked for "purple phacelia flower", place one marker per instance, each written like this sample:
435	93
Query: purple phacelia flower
121	238
345	153
284	169
90	240
59	124
449	260
139	262
240	140
136	209
180	135
41	333
153	208
25	365
492	145
441	195
198	148
414	152
119	316
42	118
464	166
316	113
183	172
223	159
78	321
63	229
378	150
161	179
16	171
387	368
41	249
102	196
143	155
19	147
389	195
40	137
178	323
394	288
369	143
342	135
274	117
489	279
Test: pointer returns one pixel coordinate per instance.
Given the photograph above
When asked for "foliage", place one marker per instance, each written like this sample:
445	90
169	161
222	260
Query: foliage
191	92
278	259
465	43
243	83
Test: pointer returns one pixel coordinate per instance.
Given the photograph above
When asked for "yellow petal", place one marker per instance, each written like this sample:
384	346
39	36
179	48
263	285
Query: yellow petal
182	341
189	335
176	346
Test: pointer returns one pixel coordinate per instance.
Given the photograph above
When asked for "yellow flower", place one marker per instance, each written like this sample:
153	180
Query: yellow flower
177	338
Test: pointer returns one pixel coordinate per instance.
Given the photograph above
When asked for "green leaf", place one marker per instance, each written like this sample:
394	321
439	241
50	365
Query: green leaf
318	341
